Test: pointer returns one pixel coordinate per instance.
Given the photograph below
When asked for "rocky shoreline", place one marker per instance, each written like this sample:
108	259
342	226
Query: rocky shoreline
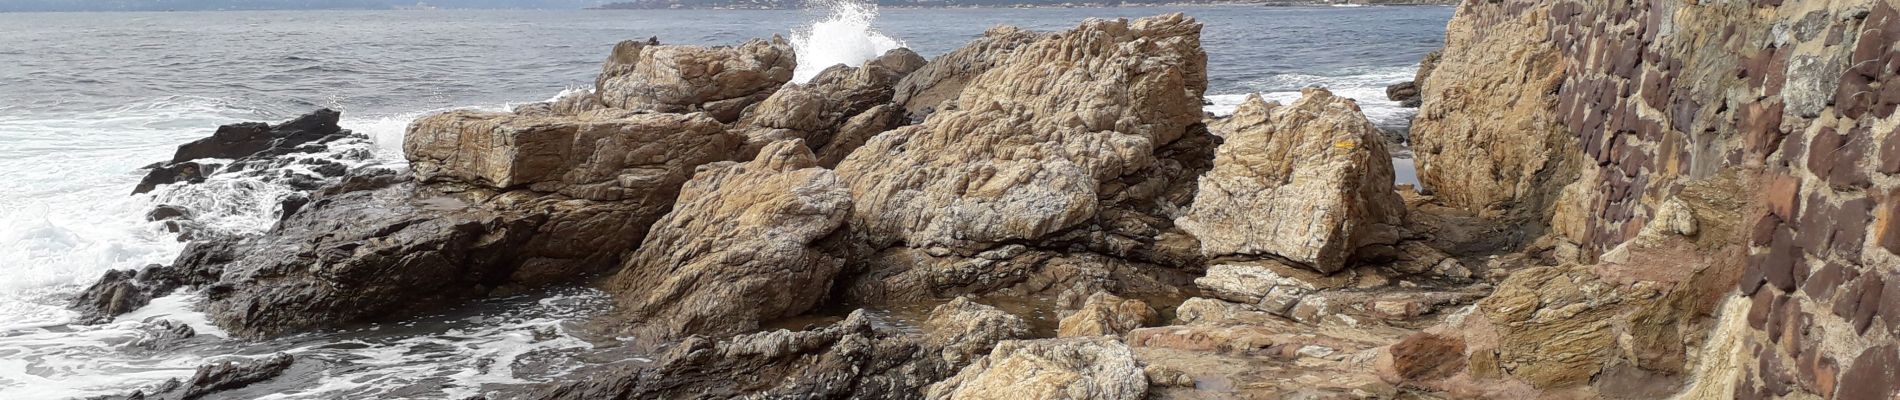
1617	208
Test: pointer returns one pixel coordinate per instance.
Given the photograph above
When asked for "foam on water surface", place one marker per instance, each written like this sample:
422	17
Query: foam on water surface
843	37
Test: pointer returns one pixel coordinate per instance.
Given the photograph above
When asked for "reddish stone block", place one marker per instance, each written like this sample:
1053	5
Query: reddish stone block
1872	375
1818	373
1822	285
1779	265
1781	195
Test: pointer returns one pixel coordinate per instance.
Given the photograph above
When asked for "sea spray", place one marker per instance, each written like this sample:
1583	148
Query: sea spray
844	37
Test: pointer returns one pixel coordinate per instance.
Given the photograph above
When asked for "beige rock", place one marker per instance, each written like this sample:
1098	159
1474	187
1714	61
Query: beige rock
738	250
722	81
840	102
1487	136
1311	183
633	158
967	330
1070	368
940	80
1253	111
1270	285
1107	314
1035	138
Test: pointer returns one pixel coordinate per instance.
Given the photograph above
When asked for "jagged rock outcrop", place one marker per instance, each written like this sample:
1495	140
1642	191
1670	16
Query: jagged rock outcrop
720	81
1026	155
942	79
738	250
1485	136
1310	183
216	377
966	330
1069	368
498	202
1036	173
121	291
858	358
254	145
834	113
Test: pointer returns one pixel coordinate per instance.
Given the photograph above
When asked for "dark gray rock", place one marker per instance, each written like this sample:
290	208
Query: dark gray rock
858	358
213	378
256	146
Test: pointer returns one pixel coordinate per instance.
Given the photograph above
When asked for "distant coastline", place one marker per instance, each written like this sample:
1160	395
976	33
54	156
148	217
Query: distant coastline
928	4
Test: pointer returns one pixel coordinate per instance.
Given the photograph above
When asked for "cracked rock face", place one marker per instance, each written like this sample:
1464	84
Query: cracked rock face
1310	183
1035	139
721	81
1070	368
606	156
739	249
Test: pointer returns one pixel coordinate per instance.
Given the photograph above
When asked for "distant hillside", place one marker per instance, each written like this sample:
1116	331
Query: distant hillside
206	5
790	4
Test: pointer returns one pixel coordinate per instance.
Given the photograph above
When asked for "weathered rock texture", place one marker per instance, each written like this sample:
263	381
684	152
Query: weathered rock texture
1311	183
603	156
1049	369
1767	123
943	78
836	112
503	202
721	81
1107	314
216	377
253	145
739	248
1067	142
1485	136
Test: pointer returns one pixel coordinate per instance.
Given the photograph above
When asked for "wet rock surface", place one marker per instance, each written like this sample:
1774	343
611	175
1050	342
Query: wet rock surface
216	377
253	145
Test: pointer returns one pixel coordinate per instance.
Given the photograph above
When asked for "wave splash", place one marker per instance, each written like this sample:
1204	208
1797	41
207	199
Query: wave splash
844	37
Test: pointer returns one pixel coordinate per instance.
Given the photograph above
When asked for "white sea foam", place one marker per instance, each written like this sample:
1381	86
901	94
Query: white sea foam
845	36
67	216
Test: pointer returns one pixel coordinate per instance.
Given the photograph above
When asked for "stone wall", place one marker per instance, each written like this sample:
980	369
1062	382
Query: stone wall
1795	99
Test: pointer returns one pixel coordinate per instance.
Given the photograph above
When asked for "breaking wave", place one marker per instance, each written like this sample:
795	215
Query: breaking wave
845	36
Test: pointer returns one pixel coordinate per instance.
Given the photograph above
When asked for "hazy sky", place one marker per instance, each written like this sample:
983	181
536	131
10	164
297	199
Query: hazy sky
185	5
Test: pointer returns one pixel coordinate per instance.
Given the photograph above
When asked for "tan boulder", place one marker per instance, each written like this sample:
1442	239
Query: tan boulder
1254	111
1107	314
1487	135
608	156
966	330
941	79
1311	184
1070	368
1035	138
841	102
738	250
722	81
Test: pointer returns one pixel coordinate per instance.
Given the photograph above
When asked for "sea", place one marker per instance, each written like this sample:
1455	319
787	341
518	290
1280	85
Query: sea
87	99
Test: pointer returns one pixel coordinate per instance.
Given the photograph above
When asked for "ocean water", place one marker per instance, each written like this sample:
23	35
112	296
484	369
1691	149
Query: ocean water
86	99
